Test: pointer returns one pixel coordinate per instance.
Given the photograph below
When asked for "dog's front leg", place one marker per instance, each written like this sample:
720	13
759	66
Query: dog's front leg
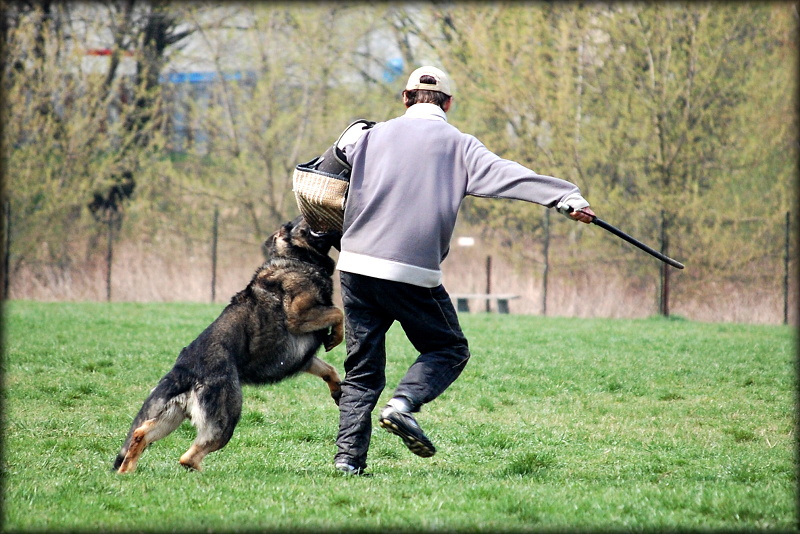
327	373
305	315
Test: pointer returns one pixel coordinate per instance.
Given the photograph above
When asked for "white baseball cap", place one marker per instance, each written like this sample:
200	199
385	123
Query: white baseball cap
442	81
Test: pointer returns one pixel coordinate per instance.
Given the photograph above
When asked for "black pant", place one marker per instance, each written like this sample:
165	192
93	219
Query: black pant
430	322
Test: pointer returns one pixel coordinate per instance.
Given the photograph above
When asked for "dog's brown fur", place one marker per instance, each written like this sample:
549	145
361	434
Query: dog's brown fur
271	330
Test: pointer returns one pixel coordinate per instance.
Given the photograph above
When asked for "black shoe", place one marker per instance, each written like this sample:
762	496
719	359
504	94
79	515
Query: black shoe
404	425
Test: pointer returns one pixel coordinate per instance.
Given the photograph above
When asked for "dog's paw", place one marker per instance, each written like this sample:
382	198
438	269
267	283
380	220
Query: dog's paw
336	334
331	342
334	337
336	395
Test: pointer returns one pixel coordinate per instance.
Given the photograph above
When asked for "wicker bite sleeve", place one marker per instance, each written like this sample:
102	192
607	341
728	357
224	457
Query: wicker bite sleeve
320	198
320	186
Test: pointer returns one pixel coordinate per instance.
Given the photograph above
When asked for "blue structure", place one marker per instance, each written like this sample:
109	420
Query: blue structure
394	68
202	77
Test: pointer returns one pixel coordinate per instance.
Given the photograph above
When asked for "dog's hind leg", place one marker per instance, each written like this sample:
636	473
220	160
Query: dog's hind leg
150	431
215	411
327	373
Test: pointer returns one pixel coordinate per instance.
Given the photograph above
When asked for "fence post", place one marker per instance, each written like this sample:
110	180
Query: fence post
786	269
6	247
546	254
488	282
664	307
215	232
109	254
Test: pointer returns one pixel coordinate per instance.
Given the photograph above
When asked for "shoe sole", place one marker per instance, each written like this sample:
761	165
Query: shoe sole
414	442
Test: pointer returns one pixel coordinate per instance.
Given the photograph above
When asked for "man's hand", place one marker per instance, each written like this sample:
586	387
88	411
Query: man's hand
584	215
576	208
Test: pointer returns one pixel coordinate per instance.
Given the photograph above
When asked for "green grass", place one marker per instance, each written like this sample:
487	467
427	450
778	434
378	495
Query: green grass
556	424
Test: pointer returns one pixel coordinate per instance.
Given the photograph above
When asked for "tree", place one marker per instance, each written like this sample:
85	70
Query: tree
685	77
74	126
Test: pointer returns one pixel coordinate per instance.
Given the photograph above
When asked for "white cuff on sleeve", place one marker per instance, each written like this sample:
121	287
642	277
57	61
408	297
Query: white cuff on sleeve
570	203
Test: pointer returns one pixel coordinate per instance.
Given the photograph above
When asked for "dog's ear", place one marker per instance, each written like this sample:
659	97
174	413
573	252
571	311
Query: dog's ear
268	246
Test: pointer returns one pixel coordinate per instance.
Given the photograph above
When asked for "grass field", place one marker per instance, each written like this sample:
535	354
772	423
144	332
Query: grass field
556	424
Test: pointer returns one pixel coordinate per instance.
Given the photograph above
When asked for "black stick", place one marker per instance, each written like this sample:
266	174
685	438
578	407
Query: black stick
635	242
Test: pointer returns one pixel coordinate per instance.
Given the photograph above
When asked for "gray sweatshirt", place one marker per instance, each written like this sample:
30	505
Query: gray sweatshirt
409	177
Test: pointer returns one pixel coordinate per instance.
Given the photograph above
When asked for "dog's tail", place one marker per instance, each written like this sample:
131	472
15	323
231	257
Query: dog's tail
162	402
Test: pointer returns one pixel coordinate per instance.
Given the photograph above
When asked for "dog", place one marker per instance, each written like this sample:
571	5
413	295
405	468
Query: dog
270	331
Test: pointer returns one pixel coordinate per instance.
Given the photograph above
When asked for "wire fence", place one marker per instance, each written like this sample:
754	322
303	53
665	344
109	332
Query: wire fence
551	282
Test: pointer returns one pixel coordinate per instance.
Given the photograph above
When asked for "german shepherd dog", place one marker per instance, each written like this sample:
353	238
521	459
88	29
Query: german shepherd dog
270	331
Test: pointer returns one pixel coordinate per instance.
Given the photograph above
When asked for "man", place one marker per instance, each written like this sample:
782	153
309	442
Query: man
409	177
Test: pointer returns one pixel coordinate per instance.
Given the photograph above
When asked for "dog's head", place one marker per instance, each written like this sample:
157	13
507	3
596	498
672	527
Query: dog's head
297	239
